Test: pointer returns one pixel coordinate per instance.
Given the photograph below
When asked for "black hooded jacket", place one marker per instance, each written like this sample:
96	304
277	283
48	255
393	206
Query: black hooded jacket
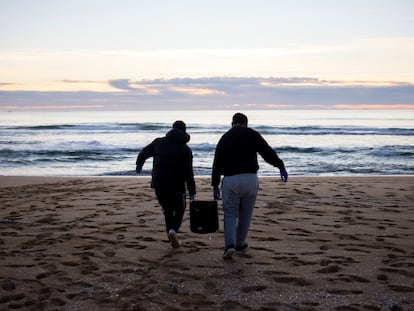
173	162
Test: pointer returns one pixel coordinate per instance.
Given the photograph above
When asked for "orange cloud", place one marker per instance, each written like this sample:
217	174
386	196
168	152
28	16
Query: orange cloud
197	91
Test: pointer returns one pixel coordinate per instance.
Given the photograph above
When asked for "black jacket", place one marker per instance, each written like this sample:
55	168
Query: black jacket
236	153
173	162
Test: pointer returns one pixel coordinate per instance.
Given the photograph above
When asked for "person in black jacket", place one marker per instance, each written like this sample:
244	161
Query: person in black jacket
236	158
172	171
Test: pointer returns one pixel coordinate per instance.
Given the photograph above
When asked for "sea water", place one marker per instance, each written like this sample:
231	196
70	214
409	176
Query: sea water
317	142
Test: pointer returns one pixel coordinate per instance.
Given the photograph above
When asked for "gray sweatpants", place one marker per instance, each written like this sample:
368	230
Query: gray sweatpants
239	197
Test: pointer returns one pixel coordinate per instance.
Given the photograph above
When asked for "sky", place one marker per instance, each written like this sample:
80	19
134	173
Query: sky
216	54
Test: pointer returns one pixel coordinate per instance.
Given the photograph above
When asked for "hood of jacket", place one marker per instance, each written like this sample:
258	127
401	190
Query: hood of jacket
178	136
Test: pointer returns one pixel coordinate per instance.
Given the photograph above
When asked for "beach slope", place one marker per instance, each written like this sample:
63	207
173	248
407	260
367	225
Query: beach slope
316	243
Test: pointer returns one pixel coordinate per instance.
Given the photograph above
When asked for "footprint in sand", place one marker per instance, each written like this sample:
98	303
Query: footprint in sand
256	288
329	269
293	280
8	285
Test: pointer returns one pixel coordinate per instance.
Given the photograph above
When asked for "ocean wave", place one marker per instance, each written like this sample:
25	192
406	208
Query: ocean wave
323	130
312	147
96	150
203	147
215	129
93	127
319	150
121	173
31	156
393	151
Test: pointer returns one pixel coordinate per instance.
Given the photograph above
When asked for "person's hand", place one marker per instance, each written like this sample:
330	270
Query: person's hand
284	175
216	194
138	169
192	197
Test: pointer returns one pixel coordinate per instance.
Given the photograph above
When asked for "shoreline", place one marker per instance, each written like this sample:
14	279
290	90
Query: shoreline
99	243
6	180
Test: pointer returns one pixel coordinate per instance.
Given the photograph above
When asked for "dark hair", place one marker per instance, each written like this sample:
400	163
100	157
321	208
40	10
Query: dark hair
239	118
179	125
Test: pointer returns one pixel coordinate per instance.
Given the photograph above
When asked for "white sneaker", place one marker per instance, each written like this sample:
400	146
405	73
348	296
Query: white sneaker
172	235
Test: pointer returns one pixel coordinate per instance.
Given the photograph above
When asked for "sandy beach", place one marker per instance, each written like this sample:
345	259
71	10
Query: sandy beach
98	243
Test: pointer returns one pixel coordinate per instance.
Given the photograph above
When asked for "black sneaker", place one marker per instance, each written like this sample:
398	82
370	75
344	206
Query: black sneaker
229	252
243	248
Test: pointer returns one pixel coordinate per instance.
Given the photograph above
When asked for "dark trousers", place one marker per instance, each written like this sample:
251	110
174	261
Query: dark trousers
173	207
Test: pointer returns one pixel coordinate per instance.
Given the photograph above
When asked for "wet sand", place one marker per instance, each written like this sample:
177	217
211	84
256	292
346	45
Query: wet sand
316	243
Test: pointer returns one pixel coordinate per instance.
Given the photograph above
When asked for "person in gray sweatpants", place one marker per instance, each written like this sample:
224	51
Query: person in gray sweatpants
236	159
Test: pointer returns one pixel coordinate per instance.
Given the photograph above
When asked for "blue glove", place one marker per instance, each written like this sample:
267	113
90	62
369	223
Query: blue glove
138	169
284	175
216	194
192	197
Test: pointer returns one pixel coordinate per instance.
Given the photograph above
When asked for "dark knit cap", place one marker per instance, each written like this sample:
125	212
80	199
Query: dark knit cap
179	125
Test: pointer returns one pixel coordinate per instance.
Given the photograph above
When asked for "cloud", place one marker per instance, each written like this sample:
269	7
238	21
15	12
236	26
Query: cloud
122	84
223	93
156	87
